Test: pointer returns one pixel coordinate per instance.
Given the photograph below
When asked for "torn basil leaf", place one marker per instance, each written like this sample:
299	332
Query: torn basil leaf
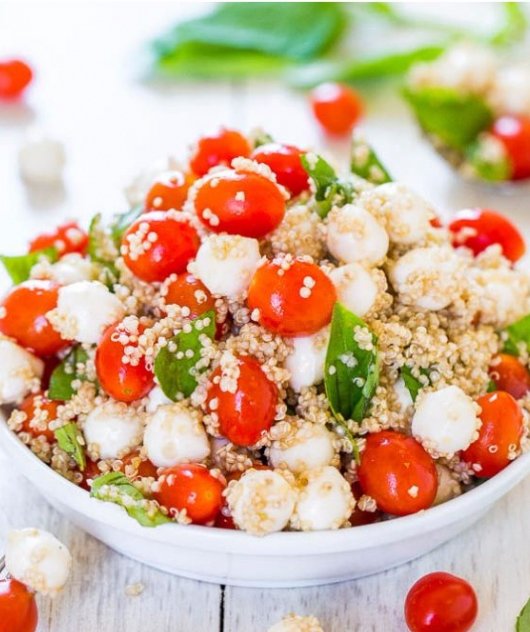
517	333
412	383
330	190
70	440
366	164
66	373
19	266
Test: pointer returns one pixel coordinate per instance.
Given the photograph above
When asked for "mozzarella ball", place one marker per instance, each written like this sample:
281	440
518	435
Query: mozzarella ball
503	294
41	161
296	623
510	93
305	362
402	396
84	310
36	558
113	429
226	264
445	421
156	398
325	500
448	487
175	434
19	370
70	268
427	278
306	447
261	501
355	235
356	288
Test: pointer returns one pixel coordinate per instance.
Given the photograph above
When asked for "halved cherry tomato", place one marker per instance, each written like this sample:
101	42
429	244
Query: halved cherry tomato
40	411
168	191
510	375
294	298
359	517
513	131
66	238
134	466
479	228
218	149
284	161
18	610
398	473
499	436
15	76
336	107
24	319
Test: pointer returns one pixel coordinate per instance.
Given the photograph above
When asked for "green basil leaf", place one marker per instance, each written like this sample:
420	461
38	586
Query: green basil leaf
19	266
122	221
68	440
523	620
514	25
485	169
412	383
492	387
177	370
366	164
65	373
116	488
330	190
101	250
517	333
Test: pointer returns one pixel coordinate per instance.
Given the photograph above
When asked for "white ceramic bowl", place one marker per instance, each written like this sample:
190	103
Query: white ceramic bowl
278	560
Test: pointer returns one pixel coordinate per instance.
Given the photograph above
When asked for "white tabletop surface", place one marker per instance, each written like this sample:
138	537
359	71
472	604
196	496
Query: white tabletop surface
87	94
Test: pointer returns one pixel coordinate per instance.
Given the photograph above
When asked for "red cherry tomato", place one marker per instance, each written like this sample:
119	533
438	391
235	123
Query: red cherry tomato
510	375
240	204
125	381
134	466
293	298
66	238
15	76
193	488
284	161
336	107
90	472
187	291
514	133
218	149
224	522
169	191
479	228
158	244
18	610
499	436
360	517
24	318
247	412
398	473
441	602
40	411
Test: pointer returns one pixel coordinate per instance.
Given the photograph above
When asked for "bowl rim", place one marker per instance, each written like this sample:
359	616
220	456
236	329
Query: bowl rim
285	543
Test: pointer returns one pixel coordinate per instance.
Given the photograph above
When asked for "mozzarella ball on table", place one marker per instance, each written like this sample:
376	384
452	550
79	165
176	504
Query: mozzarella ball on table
445	421
307	447
71	268
503	295
19	372
156	398
357	288
175	434
112	430
261	501
325	500
305	362
41	160
296	623
36	558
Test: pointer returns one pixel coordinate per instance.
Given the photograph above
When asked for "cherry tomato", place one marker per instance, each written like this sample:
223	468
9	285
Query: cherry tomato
24	318
125	381
169	191
510	375
499	436
441	602
193	488
218	149
224	522
90	472
336	107
158	244
187	291
240	204
18	610
293	298
250	410
39	412
398	473
514	133
15	76
66	238
134	466
360	517
284	161
479	228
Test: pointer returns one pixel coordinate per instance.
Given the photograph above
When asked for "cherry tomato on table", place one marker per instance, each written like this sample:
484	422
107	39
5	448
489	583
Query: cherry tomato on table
514	133
218	149
40	411
18	610
510	375
336	107
15	76
168	191
66	238
285	163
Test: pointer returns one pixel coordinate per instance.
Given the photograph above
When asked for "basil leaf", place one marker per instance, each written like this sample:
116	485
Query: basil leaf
68	440
366	164
122	221
523	620
514	26
65	373
101	250
115	487
330	190
492	387
177	370
411	382
515	334
19	266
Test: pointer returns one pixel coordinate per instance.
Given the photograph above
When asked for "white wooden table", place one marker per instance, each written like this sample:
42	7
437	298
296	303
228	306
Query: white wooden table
87	93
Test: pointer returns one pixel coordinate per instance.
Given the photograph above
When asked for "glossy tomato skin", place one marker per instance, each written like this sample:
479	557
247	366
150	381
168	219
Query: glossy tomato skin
393	464
285	163
38	405
90	472
218	149
336	107
168	191
158	244
18	610
245	414
499	436
296	300
66	238
15	76
513	131
193	488
188	291
441	602
478	229
24	318
134	466
244	204
510	375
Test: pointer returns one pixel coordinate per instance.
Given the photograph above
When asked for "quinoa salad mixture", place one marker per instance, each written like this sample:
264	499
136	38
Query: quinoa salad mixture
263	343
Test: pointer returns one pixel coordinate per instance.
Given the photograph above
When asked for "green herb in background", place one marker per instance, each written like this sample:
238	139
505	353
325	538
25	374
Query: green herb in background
19	266
523	620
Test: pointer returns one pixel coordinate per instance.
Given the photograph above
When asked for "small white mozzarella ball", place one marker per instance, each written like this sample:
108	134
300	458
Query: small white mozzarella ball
175	434
297	623
71	268
445	421
19	370
427	277
113	429
307	447
37	558
355	235
503	294
324	502
448	487
403	397
305	362
510	94
41	160
261	501
136	191
356	287
156	398
226	264
84	310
